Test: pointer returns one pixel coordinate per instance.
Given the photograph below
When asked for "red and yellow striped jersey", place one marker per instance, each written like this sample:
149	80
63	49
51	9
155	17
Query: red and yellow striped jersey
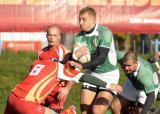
42	79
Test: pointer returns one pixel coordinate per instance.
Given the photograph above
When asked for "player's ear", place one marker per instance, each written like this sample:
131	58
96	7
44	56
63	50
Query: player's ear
136	63
60	35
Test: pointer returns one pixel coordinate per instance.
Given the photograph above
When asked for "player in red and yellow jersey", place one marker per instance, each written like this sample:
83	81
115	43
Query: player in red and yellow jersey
29	96
56	51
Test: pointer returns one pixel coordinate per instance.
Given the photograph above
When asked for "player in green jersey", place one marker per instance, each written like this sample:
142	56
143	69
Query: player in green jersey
140	87
156	59
99	41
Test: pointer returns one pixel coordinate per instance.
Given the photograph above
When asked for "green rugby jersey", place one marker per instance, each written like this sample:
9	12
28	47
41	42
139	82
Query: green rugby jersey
142	79
100	37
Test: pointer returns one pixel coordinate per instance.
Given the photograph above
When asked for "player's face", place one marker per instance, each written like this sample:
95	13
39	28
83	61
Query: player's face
53	37
86	21
130	66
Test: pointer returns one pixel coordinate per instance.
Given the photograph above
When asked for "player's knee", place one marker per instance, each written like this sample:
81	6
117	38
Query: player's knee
100	105
115	106
99	110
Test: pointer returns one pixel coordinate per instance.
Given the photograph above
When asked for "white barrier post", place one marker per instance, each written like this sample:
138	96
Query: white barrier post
1	43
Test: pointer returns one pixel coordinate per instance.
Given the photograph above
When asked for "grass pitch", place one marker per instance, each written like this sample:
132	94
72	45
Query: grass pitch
13	68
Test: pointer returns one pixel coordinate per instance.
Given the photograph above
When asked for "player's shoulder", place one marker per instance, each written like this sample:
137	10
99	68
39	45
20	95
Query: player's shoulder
105	29
80	34
66	50
144	71
62	46
44	49
43	62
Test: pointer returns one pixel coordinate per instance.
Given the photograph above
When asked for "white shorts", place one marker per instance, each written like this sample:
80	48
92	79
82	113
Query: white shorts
131	93
109	77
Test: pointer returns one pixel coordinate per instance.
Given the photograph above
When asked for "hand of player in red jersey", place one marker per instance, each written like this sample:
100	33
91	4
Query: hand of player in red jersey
63	92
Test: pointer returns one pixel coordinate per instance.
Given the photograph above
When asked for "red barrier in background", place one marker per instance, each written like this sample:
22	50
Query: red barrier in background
22	45
135	16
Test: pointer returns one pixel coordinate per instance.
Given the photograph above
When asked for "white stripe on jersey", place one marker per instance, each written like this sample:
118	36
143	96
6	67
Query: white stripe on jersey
39	54
61	53
63	76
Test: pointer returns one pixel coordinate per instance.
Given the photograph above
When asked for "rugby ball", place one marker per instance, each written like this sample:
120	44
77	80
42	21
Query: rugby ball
85	58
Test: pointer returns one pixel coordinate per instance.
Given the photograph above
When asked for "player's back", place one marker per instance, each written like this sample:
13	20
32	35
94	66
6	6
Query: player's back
41	79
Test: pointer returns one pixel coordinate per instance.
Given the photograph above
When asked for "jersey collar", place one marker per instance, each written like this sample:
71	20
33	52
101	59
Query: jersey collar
136	72
53	47
94	32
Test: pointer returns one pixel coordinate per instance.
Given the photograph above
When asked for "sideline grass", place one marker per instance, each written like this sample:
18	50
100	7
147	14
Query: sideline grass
14	66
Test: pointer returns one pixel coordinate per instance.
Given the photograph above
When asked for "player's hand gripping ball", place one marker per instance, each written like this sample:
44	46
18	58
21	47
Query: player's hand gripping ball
84	58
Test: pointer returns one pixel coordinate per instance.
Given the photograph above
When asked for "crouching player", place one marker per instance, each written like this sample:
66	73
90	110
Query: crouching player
28	97
141	86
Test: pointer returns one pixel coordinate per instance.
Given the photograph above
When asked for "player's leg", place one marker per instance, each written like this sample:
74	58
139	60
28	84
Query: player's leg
16	105
129	93
105	97
119	104
102	102
9	109
87	96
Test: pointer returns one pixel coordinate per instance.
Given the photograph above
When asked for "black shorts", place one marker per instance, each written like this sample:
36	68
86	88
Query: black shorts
96	89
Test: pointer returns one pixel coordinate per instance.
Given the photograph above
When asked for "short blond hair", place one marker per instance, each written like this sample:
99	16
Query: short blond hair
89	10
